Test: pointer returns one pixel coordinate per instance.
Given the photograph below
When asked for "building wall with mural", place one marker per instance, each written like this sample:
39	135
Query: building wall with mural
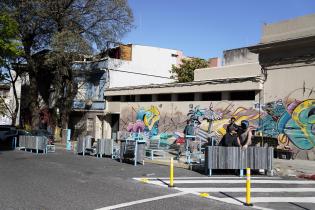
169	118
289	107
282	78
290	119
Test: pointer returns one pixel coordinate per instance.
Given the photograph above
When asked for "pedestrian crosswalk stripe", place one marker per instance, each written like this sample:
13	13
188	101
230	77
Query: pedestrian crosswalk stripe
278	199
242	189
235	181
213	177
186	184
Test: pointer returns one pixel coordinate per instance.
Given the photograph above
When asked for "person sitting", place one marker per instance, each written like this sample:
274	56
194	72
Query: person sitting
230	137
244	135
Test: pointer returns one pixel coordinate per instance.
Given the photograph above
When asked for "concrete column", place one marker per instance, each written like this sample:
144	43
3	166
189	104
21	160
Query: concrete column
198	97
225	96
174	96
154	97
107	129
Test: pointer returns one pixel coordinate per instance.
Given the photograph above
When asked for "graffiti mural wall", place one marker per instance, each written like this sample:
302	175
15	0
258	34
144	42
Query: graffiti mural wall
290	120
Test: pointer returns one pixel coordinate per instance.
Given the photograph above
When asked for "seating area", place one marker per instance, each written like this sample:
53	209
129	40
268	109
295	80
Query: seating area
34	143
155	149
199	149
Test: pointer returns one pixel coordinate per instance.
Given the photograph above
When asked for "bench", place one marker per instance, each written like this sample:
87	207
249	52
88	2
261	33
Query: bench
154	148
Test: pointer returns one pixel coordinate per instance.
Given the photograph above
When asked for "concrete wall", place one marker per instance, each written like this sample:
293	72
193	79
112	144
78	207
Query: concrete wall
170	117
247	85
225	72
290	101
289	29
282	83
239	56
145	60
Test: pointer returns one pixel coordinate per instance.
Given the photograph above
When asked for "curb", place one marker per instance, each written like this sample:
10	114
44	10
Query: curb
165	163
307	176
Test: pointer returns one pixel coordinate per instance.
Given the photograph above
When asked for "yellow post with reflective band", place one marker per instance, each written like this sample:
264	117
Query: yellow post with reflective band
171	173
248	188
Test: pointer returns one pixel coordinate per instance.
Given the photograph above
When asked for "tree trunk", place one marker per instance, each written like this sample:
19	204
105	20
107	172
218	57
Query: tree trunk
17	103
34	104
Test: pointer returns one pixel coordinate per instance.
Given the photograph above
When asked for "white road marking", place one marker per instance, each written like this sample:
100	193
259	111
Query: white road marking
231	201
279	199
142	201
210	177
235	182
164	181
242	189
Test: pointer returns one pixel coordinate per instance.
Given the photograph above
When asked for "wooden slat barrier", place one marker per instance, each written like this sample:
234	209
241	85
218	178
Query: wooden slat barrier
218	157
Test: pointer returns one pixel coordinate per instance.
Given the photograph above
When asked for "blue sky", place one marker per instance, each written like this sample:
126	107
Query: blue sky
204	28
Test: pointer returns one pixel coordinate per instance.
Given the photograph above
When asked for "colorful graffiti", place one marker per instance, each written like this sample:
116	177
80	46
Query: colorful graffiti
146	121
294	122
290	120
218	126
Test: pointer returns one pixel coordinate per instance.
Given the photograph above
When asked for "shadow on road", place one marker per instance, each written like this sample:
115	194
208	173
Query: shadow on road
297	205
227	195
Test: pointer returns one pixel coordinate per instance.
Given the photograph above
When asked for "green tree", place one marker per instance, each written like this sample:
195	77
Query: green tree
185	71
54	33
10	54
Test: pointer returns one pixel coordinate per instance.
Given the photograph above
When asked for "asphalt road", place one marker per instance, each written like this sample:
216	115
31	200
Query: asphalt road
63	180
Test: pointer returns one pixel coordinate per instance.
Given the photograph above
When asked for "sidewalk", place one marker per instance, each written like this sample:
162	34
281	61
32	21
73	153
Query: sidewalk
296	167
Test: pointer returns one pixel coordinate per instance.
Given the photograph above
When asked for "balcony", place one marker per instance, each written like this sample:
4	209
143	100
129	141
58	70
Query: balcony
88	105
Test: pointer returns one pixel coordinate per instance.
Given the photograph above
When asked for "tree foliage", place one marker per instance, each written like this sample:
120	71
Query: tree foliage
185	71
10	52
54	33
9	44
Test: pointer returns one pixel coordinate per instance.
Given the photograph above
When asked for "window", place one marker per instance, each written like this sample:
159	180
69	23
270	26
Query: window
242	95
113	98
211	96
145	98
164	97
186	97
130	98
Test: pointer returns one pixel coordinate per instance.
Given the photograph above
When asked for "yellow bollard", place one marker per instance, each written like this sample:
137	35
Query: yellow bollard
171	173
204	195
144	180
248	188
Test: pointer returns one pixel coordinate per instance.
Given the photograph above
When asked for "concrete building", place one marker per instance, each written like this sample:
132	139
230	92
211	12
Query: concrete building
118	66
140	65
7	102
270	84
287	59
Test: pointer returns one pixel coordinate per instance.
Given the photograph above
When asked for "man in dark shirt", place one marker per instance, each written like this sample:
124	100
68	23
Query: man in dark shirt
230	138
